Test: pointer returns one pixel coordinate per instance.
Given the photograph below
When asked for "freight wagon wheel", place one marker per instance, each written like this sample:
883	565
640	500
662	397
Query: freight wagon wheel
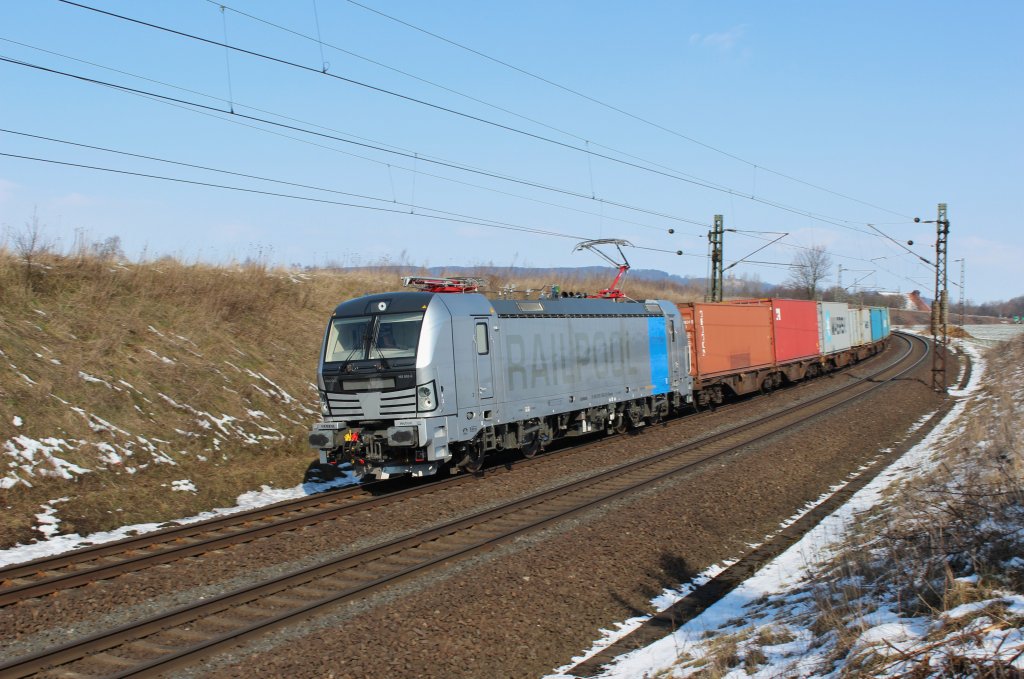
659	412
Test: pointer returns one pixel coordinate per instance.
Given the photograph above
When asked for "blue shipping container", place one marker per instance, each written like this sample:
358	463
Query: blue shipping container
879	323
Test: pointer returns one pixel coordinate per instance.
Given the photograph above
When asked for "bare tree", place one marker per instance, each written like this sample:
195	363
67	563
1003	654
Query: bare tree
809	268
29	244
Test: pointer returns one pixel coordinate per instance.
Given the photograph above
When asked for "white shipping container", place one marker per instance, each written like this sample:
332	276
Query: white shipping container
861	333
835	323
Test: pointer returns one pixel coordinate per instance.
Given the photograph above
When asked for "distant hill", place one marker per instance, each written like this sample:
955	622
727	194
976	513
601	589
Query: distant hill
520	272
579	273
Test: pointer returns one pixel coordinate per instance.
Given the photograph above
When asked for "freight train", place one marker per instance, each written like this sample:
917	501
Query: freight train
413	382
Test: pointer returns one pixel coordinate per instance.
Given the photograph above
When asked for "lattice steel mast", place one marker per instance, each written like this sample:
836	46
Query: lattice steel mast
716	237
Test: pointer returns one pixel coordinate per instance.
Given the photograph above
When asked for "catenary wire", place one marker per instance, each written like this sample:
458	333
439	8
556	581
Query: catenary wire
587	142
404	154
750	234
622	111
671	175
442	215
284	62
459	216
467	168
700	223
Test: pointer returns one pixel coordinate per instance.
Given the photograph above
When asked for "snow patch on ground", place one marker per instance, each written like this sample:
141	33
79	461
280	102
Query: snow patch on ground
56	544
47	520
184	485
95	380
36	458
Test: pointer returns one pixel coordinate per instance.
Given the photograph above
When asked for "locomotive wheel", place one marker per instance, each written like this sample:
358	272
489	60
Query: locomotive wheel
473	461
532	447
620	424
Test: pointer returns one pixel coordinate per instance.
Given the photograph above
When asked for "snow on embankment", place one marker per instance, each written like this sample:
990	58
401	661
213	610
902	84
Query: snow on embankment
919	574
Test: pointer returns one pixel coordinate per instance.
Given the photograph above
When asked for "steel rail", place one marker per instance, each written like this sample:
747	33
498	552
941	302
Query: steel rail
291	586
47	575
703	596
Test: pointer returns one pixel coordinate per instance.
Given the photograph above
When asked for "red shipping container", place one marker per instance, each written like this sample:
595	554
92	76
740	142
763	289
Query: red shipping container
795	322
728	338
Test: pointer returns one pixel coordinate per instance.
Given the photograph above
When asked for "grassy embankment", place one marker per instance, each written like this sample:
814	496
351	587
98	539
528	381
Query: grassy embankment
147	374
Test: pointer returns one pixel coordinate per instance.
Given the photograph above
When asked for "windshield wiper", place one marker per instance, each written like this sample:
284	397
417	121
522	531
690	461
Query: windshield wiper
371	344
383	360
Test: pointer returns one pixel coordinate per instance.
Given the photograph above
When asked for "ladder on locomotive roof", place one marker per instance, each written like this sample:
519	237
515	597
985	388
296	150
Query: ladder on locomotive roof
444	283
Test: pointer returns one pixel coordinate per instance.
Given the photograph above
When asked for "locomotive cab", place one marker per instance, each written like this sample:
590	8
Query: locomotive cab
385	363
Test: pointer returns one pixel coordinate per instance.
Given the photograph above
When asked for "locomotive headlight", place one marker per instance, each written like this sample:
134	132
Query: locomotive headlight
325	409
425	397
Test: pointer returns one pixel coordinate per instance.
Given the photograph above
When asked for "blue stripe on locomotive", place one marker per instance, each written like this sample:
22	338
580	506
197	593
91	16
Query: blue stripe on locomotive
659	354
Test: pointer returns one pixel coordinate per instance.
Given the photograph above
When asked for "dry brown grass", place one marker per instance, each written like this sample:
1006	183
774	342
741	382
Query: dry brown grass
207	338
942	539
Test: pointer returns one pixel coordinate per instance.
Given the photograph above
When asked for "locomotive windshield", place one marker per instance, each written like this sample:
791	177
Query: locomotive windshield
372	337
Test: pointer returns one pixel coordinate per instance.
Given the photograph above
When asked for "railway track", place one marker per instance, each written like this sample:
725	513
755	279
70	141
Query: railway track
182	636
707	594
47	575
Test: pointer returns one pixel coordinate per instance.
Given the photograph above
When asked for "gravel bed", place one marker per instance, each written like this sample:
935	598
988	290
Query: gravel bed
529	606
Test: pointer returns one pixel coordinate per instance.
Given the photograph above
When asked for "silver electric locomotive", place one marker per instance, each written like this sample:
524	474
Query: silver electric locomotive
411	382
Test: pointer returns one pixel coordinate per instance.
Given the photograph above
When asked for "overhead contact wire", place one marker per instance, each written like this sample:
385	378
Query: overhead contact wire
447	216
486	223
404	154
671	175
465	168
621	111
454	91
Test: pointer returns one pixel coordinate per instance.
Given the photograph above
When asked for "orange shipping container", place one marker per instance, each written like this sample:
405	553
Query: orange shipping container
727	338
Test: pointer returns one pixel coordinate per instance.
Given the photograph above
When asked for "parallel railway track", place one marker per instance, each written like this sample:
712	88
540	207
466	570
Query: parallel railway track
182	636
47	575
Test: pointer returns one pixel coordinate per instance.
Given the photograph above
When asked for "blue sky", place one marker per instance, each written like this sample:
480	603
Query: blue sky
891	107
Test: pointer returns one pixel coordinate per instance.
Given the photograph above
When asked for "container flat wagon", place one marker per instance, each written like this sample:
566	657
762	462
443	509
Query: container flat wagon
730	348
